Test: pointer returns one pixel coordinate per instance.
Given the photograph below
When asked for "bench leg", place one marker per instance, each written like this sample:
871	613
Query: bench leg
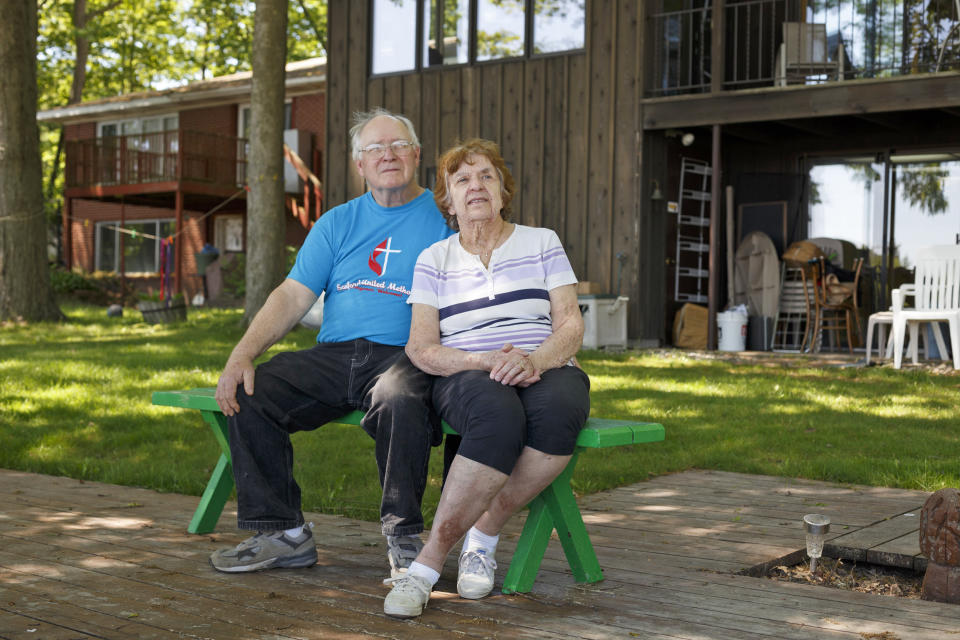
221	480
557	508
214	497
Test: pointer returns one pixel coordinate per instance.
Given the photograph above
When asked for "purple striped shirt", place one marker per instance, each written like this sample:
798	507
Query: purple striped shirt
481	309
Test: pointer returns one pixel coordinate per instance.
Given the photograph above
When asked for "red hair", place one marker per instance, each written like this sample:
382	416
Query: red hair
451	161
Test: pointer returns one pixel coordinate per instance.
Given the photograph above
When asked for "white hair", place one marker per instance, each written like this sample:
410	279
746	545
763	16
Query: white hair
362	118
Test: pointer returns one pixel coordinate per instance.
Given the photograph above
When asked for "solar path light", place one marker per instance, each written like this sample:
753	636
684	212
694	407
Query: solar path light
816	526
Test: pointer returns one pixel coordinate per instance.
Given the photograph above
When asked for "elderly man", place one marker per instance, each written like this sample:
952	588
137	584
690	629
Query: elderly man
361	256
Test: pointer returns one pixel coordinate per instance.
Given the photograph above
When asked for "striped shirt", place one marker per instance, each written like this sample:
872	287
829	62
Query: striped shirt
481	308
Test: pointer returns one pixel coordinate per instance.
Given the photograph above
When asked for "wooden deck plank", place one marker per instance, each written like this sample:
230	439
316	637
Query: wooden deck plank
19	625
671	549
857	545
900	552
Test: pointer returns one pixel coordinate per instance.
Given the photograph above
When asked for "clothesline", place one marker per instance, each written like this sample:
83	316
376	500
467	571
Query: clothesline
135	234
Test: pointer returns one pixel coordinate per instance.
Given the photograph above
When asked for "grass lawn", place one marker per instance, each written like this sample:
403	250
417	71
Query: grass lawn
75	401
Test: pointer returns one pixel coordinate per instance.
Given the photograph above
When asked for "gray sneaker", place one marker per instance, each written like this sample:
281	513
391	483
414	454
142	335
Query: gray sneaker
408	597
271	550
401	551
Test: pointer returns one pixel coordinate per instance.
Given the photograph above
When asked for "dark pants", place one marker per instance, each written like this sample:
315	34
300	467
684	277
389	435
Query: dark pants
497	421
302	390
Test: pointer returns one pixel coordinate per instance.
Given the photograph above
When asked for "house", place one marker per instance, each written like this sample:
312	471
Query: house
146	167
653	136
618	117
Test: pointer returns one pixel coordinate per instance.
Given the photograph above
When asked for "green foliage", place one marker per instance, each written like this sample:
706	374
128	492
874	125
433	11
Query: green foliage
921	185
137	46
64	281
99	287
234	276
76	390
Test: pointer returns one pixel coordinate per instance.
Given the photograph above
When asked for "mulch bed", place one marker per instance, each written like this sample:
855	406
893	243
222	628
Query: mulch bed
844	574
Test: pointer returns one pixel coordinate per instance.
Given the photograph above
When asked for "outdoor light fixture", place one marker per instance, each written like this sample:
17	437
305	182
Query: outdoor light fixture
686	138
816	526
657	194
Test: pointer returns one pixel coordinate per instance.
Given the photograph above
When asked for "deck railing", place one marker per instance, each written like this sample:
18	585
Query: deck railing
832	40
156	157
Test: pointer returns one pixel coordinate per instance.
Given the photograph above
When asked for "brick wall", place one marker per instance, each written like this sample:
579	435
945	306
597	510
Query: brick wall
87	213
220	120
308	114
83	131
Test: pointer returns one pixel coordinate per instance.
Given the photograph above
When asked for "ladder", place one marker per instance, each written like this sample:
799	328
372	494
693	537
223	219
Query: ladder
691	279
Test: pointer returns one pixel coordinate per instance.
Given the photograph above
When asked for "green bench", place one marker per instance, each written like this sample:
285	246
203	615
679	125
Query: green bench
555	507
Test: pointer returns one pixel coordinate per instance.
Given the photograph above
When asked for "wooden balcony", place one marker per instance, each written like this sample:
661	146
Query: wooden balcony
767	43
162	162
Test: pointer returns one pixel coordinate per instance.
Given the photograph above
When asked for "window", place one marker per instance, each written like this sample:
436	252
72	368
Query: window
141	245
407	35
228	233
447	32
243	133
558	26
138	149
394	35
500	29
245	119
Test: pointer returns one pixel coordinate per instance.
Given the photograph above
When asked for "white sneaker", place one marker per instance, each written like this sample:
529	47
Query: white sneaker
475	579
408	596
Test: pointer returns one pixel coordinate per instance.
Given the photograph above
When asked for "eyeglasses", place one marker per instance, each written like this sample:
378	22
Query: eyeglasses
400	148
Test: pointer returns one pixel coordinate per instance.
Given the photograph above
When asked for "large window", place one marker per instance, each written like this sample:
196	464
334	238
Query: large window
889	207
408	35
141	245
138	149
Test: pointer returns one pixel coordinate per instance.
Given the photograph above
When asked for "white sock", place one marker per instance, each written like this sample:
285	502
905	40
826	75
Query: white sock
295	532
423	571
477	540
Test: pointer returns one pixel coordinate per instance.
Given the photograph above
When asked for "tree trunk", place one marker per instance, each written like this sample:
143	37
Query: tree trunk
266	221
25	291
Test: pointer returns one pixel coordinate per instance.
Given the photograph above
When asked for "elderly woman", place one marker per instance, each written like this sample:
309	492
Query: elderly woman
495	317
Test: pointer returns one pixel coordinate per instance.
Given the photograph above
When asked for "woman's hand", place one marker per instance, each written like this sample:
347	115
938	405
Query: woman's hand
512	366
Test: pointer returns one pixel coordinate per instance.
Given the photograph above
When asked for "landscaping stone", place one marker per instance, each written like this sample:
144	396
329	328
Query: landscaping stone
940	543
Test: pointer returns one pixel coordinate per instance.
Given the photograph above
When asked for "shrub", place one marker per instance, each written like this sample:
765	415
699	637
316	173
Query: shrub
99	287
234	273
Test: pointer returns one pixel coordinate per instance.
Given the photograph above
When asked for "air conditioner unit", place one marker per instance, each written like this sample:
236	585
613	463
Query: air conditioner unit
299	141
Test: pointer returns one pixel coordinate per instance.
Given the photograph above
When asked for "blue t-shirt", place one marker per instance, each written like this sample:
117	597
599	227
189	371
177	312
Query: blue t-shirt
362	256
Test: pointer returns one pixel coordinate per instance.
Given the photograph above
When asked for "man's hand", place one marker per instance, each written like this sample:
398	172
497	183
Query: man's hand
238	369
512	366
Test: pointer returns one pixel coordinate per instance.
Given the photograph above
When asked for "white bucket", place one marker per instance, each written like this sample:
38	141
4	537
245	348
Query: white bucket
731	331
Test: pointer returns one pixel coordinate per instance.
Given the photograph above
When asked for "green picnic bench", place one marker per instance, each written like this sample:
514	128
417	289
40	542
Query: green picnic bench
555	507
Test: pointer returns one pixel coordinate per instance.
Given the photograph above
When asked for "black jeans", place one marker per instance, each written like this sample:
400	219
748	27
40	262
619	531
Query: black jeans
302	390
497	421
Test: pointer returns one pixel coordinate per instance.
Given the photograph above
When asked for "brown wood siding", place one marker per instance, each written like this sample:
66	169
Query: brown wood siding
568	126
600	143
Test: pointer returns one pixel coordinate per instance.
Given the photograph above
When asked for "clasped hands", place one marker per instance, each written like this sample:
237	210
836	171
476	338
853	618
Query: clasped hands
512	366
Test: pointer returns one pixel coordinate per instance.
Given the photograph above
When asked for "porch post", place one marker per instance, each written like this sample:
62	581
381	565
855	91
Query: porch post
67	233
713	280
178	245
121	242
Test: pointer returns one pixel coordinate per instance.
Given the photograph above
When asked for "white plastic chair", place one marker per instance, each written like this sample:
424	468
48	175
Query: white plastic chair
880	320
936	293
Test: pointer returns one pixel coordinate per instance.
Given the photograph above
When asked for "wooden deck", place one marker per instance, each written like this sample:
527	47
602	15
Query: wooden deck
90	560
